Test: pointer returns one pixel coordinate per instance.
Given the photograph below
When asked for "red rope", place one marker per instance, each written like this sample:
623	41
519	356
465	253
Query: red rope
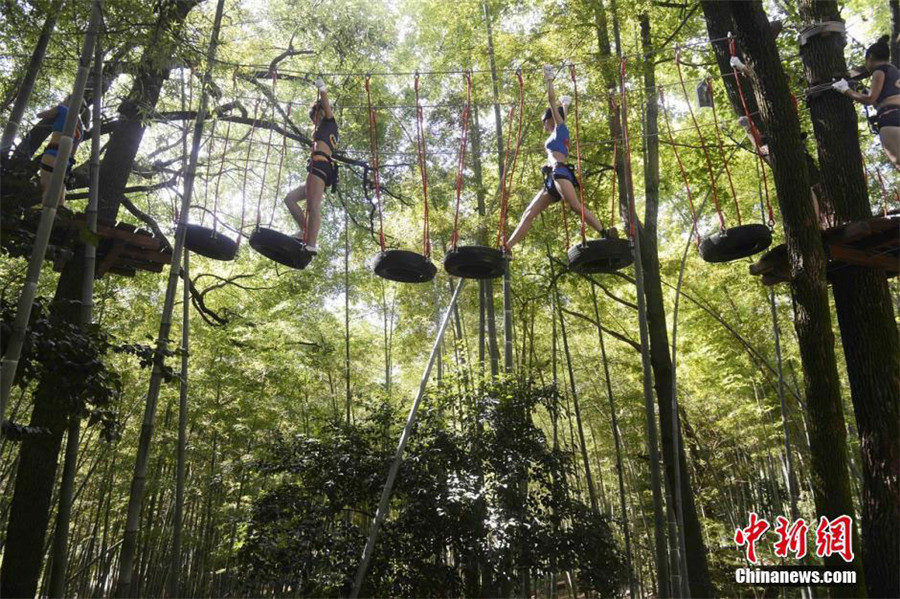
578	154
712	102
615	200
687	184
632	215
709	169
732	49
376	169
506	182
461	162
423	169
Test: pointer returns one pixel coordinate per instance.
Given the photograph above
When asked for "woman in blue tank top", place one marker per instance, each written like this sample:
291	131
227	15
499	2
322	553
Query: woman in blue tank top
884	94
559	176
48	158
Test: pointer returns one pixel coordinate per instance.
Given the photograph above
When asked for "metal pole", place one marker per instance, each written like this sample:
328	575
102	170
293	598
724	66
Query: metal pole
48	214
401	446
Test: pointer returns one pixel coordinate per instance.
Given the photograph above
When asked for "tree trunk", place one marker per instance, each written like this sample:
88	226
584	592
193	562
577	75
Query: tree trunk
812	318
679	481
865	314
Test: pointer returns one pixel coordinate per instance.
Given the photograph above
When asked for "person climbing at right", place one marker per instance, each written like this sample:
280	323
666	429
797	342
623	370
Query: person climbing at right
559	176
884	94
321	171
48	159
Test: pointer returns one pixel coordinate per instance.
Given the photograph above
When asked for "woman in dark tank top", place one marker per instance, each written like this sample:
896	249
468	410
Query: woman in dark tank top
321	171
884	94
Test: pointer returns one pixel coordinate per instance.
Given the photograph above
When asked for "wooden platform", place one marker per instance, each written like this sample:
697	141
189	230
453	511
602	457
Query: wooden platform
873	243
123	248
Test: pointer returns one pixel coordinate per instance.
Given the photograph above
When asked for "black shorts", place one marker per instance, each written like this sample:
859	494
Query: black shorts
560	171
326	170
889	117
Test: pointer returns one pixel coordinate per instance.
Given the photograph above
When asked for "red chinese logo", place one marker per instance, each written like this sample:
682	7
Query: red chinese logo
748	536
791	539
835	536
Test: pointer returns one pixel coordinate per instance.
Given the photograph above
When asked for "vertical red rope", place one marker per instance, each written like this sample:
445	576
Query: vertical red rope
632	215
613	107
373	148
732	49
721	146
423	169
709	169
511	161
687	184
578	153
461	162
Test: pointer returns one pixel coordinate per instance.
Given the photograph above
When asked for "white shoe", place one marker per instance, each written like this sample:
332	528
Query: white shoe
312	249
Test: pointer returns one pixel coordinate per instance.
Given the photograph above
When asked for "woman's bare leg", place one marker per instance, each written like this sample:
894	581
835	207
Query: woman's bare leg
567	190
315	191
890	141
292	201
537	205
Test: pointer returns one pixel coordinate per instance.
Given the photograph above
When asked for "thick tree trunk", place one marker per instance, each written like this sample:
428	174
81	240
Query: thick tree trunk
865	314
812	318
660	358
36	472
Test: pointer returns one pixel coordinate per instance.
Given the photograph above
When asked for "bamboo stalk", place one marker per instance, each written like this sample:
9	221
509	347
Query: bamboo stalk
139	480
50	204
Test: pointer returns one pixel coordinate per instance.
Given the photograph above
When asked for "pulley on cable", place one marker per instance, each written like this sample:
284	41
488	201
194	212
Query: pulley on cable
403	266
480	261
594	256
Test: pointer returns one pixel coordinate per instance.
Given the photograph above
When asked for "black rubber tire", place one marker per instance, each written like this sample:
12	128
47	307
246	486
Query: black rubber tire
281	248
210	243
475	262
404	266
600	256
735	243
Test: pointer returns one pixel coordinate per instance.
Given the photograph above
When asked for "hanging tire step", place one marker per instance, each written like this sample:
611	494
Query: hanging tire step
475	262
281	248
735	243
210	243
600	256
404	266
